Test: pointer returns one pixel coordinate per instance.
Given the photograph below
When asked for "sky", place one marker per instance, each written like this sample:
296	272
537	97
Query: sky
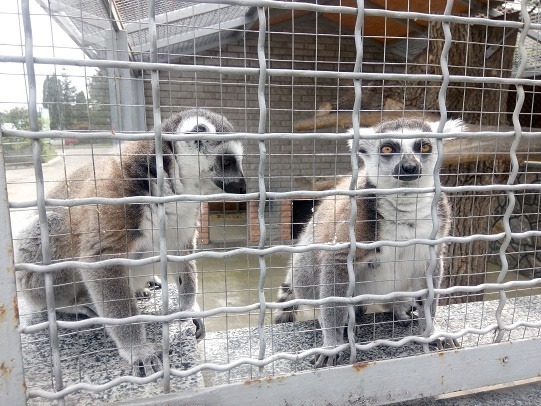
49	40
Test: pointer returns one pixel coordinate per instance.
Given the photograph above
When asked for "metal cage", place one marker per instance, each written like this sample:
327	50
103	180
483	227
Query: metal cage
291	76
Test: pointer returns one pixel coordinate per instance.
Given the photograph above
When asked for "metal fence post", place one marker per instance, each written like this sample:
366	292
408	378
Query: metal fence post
12	385
126	91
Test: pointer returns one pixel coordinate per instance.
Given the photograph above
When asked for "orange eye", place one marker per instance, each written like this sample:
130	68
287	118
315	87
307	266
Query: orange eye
387	149
226	162
426	148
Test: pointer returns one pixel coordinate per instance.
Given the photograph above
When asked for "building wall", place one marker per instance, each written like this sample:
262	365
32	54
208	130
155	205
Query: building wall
304	43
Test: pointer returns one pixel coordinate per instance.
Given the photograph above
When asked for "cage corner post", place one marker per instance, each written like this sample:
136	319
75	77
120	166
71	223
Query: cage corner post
126	89
12	385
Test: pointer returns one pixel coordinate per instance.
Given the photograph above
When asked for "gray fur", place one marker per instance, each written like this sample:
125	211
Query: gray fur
95	232
317	274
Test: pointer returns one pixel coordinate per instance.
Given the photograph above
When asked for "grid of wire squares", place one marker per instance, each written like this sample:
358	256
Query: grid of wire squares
290	76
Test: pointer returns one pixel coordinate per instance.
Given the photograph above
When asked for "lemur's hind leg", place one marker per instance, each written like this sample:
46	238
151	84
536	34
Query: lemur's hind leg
403	311
186	280
70	294
332	316
115	299
440	343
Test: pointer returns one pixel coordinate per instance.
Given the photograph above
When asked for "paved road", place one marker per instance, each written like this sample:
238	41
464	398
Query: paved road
21	182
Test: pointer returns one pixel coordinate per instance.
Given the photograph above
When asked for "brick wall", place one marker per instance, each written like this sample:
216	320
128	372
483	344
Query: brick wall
302	44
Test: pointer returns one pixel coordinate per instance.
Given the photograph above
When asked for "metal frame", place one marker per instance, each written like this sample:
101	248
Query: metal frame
12	386
111	17
126	89
506	361
361	383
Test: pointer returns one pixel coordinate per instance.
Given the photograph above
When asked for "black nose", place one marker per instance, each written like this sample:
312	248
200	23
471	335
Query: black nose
238	187
408	169
242	187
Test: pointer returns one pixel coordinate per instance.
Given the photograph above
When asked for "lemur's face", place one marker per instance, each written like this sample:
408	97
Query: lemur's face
219	163
394	162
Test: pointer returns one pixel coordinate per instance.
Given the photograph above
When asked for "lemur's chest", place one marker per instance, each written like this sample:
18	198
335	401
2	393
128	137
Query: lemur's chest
400	268
406	258
181	218
181	222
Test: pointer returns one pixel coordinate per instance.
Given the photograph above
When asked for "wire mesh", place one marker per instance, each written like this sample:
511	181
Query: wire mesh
298	80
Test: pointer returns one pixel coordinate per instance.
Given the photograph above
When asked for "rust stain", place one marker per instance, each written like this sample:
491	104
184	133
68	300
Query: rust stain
11	266
3	313
267	379
359	366
15	307
279	378
4	370
441	353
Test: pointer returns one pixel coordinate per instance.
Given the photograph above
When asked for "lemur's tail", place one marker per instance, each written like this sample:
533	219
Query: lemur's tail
287	314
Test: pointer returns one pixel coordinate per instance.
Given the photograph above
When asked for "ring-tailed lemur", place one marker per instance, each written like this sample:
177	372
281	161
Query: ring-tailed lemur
388	163
102	231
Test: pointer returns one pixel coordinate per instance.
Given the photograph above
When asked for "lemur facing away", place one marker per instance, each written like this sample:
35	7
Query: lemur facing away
388	163
103	231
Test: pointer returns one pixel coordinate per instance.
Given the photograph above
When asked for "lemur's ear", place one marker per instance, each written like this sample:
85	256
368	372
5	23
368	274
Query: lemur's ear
362	131
350	141
450	126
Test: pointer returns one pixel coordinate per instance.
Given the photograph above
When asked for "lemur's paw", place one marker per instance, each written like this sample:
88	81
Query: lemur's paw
199	329
146	361
322	360
285	316
155	283
143	293
405	319
404	314
404	322
445	344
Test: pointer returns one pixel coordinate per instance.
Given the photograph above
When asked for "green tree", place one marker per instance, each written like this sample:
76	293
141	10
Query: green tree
68	99
80	110
17	116
59	98
52	100
98	101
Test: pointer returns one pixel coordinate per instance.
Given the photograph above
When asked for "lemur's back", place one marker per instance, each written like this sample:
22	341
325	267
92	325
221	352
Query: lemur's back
331	218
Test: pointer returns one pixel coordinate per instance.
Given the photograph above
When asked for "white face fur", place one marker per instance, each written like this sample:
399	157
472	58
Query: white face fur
196	124
392	162
218	165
